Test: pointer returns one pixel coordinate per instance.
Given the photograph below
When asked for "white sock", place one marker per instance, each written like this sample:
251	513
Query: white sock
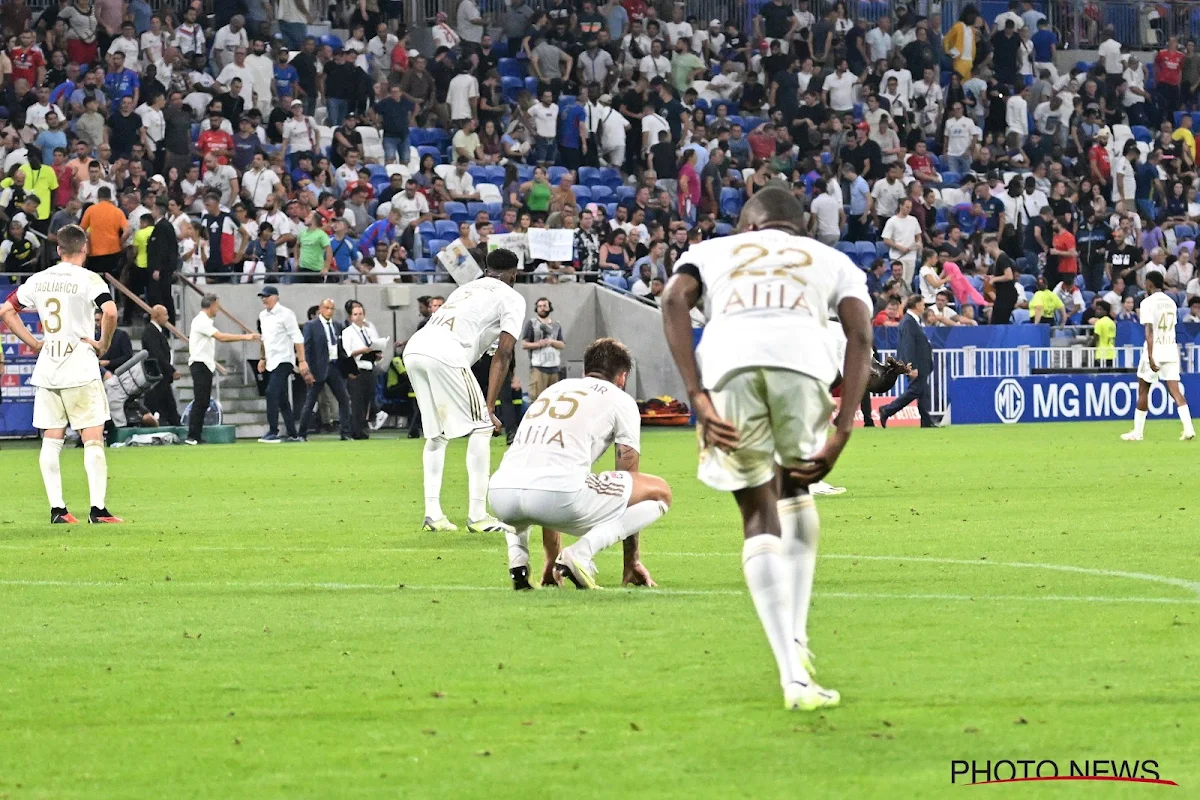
96	466
766	572
433	461
637	516
518	548
51	474
801	528
1185	416
479	467
1139	421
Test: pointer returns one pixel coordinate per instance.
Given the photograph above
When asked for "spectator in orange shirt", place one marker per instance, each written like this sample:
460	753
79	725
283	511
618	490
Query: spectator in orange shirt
105	225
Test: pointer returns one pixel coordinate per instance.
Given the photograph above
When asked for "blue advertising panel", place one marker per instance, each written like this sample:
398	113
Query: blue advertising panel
16	395
1058	398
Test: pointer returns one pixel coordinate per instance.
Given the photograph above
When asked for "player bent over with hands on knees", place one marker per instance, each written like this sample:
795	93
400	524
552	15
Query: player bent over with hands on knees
759	385
438	358
67	373
1160	359
546	476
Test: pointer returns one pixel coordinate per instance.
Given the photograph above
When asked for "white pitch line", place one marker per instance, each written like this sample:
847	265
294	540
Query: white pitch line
395	587
1182	583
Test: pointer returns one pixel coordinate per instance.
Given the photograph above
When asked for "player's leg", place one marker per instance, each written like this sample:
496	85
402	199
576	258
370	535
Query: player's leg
800	528
1181	407
649	499
50	416
1143	404
421	373
95	464
551	548
477	424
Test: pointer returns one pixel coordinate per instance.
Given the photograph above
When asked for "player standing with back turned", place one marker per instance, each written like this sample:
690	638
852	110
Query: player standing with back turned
1160	358
67	373
759	386
438	358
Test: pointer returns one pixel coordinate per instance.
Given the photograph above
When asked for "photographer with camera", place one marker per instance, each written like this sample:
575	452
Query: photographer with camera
356	342
543	339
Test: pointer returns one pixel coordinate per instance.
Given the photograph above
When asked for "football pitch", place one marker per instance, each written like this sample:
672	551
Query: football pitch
272	624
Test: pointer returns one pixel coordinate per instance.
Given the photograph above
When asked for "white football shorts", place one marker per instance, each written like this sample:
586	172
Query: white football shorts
451	402
1168	371
78	407
602	498
782	416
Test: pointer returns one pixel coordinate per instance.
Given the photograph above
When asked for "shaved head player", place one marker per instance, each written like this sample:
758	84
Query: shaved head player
759	384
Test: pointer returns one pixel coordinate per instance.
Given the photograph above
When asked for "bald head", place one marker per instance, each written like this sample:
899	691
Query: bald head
158	315
772	207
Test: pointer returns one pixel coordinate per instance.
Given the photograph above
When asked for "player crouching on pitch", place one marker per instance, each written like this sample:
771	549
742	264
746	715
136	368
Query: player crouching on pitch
546	476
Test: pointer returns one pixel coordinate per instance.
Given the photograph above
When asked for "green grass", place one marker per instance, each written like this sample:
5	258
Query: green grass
271	624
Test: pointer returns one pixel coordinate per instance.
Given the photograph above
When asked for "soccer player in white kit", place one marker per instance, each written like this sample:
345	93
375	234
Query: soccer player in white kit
67	373
1160	359
759	385
546	476
438	359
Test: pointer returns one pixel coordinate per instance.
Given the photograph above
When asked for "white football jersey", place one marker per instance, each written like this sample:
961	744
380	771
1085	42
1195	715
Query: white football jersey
1160	311
469	322
64	297
564	431
768	297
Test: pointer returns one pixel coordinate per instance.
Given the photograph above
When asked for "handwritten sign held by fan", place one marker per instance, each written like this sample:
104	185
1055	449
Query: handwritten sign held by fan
459	262
516	243
552	244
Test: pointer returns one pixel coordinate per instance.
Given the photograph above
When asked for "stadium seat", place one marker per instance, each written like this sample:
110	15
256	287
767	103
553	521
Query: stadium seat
848	248
478	174
488	193
429	150
1027	281
495	174
881	250
723	229
951	178
610	210
589	176
555	174
601	194
474	208
1184	232
437	245
864	253
1142	133
445	228
624	193
510	68
457	211
582	193
731	203
379	182
616	281
524	173
1020	316
424	265
511	87
378	170
495	210
531	86
702	104
428	230
334	41
611	177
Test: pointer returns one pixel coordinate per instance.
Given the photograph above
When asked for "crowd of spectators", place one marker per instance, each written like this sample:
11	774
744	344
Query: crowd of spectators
964	166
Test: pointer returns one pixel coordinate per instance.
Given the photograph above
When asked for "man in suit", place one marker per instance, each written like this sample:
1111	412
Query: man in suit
321	336
161	397
914	349
120	351
162	256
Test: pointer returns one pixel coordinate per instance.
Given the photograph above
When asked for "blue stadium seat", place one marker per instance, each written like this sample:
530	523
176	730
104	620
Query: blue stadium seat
864	253
377	170
478	174
752	123
428	231
1027	281
589	176
582	194
424	265
1142	134
378	183
611	177
1184	232
848	248
616	281
723	229
429	150
610	210
495	175
1082	66
474	208
495	210
601	194
531	86
731	203
1020	316
437	245
511	87
624	193
734	119
510	68
939	215
334	42
881	250
702	104
445	228
457	211
524	173
951	178
419	137
555	174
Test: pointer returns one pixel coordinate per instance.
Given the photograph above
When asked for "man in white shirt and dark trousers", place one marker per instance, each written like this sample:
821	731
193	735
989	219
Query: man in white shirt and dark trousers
356	342
202	361
282	352
321	336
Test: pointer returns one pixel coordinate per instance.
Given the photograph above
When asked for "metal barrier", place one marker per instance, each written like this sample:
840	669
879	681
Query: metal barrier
1021	362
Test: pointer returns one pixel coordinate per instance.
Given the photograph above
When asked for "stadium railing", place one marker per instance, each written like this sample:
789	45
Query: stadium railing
408	278
1021	362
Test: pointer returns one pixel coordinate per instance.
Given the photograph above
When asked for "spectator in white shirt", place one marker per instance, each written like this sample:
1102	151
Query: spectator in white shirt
827	213
459	182
902	235
1016	115
656	64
